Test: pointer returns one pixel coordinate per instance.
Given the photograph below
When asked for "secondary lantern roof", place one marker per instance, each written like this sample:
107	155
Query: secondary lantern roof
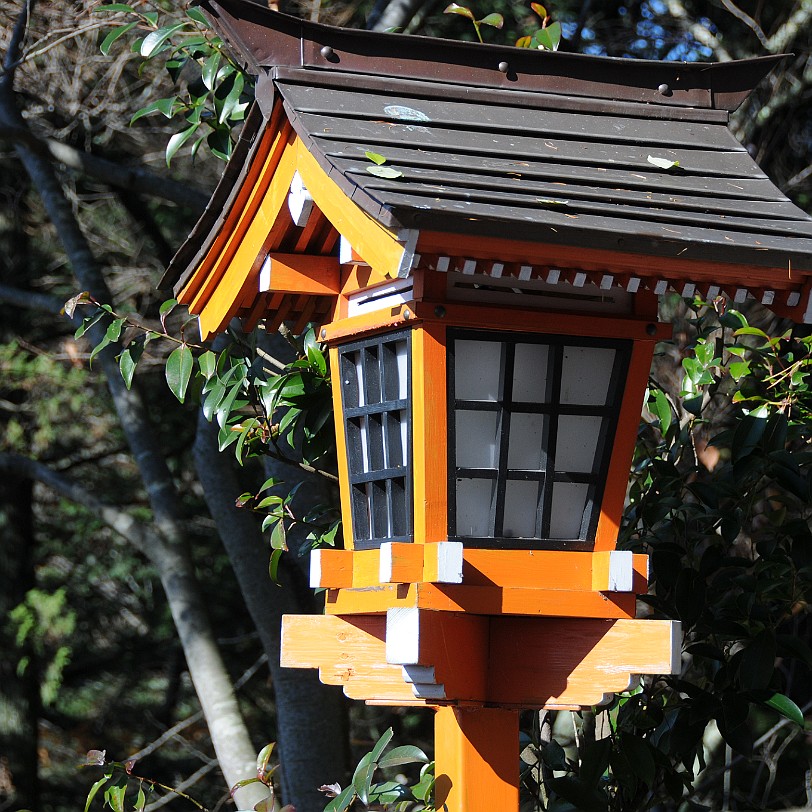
567	156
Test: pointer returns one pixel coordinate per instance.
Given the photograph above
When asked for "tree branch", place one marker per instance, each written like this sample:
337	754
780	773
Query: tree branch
132	178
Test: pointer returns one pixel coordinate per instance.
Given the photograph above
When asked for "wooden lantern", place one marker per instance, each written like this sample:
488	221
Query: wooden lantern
480	234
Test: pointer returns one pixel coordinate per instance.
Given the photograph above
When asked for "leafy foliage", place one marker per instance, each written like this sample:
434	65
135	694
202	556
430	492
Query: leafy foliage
211	105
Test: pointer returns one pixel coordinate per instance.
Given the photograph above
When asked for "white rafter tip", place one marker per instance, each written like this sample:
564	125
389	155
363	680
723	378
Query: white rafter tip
403	635
469	267
553	275
300	201
768	297
497	269
741	295
579	279
315	569
661	287
525	272
793	298
688	290
265	276
443	263
385	563
449	562
634	284
713	291
606	281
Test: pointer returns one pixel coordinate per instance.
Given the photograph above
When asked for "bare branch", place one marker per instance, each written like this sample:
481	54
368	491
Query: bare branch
748	21
798	21
16	43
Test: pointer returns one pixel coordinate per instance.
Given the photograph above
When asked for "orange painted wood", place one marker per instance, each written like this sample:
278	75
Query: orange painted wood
481	600
248	202
243	263
331	569
341	450
304	273
542	569
642	573
429	433
452	646
349	652
617	477
476	765
673	268
376	245
517	320
535	662
257	173
378	321
430	285
404	563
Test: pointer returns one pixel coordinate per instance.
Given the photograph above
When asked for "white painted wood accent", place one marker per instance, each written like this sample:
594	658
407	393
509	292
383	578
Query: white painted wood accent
661	287
713	291
300	201
443	263
344	250
419	673
634	284
768	297
469	267
449	562
315	569
688	290
525	272
389	294
497	269
676	646
579	280
607	280
428	691
408	237
741	295
793	298
621	571
553	275
403	635
265	276
385	563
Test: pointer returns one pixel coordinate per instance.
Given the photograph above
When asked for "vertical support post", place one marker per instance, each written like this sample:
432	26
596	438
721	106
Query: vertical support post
476	755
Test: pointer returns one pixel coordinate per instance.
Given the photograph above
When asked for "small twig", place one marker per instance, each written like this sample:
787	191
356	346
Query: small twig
748	21
45	48
270	359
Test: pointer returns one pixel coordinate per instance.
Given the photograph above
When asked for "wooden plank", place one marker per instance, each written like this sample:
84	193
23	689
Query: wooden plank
303	273
382	135
642	265
443	562
613	571
341	450
366	323
400	563
330	569
429	433
461	114
541	569
529	665
517	319
243	263
484	600
378	246
476	765
712	188
617	475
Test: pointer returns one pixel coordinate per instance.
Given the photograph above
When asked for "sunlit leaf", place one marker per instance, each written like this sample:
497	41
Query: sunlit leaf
114	35
179	366
177	141
96	787
154	41
375	157
454	8
539	9
494	20
786	707
384	172
662	163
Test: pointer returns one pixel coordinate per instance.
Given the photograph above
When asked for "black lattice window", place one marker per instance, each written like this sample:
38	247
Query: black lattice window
531	419
376	396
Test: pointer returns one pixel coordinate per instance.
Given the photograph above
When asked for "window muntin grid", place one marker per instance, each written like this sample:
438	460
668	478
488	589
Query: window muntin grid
376	399
530	425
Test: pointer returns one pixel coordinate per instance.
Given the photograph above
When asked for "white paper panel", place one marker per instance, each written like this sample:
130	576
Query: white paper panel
476	439
586	375
521	504
577	442
567	510
475	498
526	437
477	369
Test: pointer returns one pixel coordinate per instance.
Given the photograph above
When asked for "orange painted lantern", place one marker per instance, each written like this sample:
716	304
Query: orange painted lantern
480	234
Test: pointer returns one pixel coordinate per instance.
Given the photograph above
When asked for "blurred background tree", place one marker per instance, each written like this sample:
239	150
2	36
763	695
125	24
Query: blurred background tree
125	571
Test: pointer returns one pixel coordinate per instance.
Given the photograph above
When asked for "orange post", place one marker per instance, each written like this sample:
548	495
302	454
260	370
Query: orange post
476	765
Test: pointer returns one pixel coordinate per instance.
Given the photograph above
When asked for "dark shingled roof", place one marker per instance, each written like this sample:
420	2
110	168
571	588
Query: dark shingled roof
538	146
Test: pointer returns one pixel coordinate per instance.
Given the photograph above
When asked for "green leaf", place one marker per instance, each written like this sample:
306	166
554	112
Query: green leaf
384	172
166	107
105	342
233	97
177	141
539	9
279	536
342	802
454	8
114	329
210	67
154	41
198	16
179	366
87	324
114	35
662	163
273	565
550	37
786	707
140	800
375	157
95	788
494	20
662	409
114	796
362	778
115	7
207	363
406	754
167	307
127	362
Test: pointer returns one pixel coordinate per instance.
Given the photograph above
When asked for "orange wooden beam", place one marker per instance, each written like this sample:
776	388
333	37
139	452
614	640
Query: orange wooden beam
301	273
476	765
